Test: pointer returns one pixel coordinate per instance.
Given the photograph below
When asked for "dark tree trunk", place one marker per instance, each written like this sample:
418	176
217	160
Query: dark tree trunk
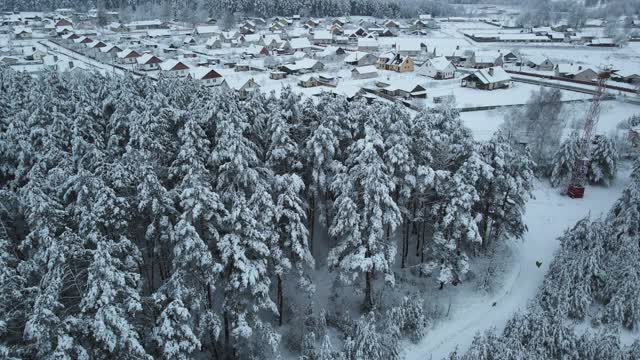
368	291
280	301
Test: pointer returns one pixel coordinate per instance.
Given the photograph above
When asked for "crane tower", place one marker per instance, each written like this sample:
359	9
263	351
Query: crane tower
581	167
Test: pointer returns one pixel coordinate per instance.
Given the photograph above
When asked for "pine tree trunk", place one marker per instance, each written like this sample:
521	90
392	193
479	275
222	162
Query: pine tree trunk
312	222
404	247
280	301
368	291
227	335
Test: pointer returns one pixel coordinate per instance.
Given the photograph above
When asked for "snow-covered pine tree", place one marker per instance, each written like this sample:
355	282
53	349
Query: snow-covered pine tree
173	332
456	220
368	341
246	231
565	160
504	194
400	160
603	164
112	299
365	215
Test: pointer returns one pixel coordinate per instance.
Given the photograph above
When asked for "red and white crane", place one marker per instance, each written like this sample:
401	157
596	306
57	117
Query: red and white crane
581	167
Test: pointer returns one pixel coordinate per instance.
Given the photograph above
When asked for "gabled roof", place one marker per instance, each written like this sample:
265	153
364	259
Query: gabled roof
408	44
369	69
171	64
439	63
207	29
148	58
109	48
322	35
485	76
367	42
356	56
300	43
202	72
127	53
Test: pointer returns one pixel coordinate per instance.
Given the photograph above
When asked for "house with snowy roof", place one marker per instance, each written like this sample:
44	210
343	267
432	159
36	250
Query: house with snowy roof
539	62
298	44
409	47
127	56
147	62
360	58
174	68
438	68
302	66
364	72
213	42
206	76
395	62
322	37
206	30
487	79
367	44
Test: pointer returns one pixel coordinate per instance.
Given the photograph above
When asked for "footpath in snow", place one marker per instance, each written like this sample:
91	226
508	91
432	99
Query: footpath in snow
548	215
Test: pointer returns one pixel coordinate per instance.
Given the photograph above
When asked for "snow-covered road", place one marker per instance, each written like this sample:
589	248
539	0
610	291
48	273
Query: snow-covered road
548	215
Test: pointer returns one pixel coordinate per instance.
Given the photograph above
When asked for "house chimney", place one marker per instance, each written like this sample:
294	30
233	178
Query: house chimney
491	71
457	47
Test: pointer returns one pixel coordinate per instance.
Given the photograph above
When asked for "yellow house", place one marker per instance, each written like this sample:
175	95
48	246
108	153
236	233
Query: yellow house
395	62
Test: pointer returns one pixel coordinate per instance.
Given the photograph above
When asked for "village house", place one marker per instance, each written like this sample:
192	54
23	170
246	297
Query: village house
394	62
189	40
539	62
321	37
409	47
575	72
277	75
438	68
63	23
213	43
206	76
602	42
249	39
485	59
159	33
255	51
297	44
81	42
95	46
487	79
242	86
391	24
147	62
110	51
145	25
307	81
364	72
628	76
367	44
206	31
20	32
359	58
174	68
270	41
510	58
127	56
330	51
403	88
302	66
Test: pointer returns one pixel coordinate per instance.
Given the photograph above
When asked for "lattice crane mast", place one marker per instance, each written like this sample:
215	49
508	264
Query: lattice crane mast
581	167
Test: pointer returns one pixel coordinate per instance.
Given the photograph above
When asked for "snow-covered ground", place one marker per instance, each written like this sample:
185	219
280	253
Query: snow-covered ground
547	216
